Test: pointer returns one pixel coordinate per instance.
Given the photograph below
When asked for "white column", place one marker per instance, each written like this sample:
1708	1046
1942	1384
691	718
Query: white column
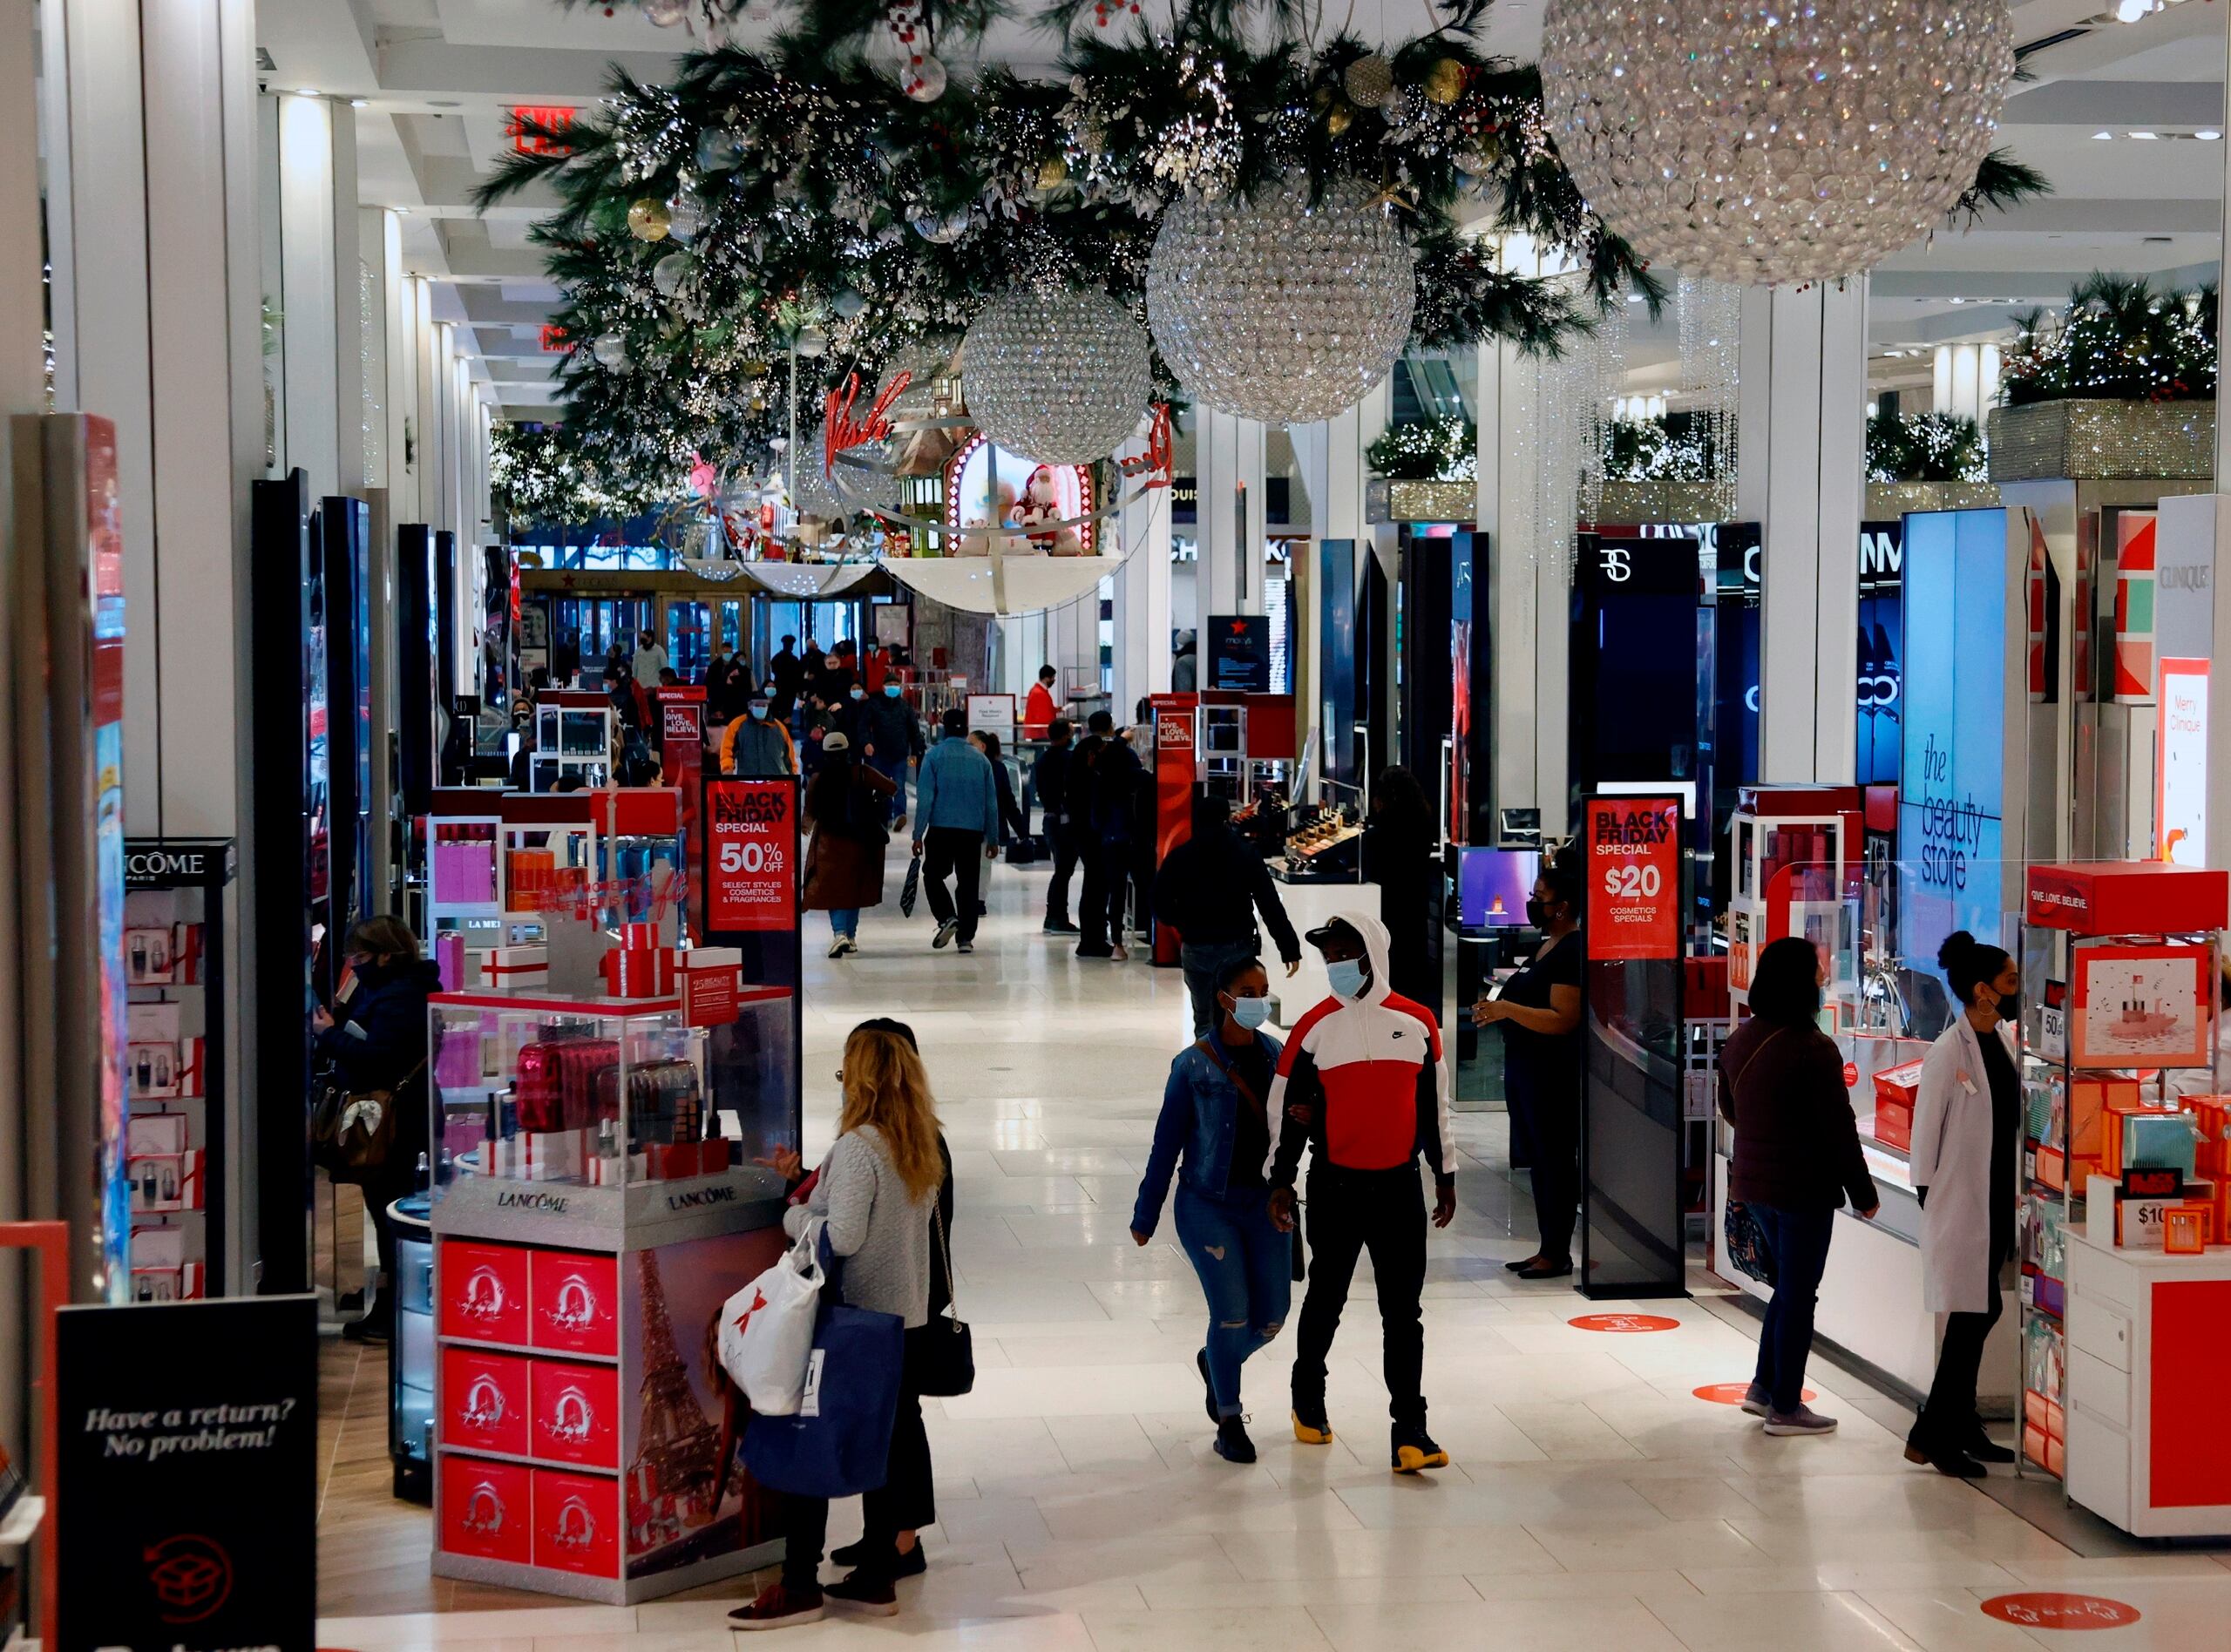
1803	410
1142	598
319	295
1228	453
1526	610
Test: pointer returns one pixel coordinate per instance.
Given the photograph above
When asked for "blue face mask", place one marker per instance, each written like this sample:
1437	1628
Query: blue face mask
890	691
1250	1013
1347	977
758	708
859	694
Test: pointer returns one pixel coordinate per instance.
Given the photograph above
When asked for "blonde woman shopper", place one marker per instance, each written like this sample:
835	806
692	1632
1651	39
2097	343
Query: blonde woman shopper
874	1190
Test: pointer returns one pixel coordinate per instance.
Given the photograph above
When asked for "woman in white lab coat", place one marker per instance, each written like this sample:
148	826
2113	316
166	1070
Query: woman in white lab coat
1966	1146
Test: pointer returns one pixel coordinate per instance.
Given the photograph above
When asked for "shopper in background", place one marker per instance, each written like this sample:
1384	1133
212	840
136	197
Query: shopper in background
756	747
1013	823
1209	890
1539	1012
810	662
1146	823
788	675
837	674
374	1037
650	659
1102	776
1966	1143
728	683
1214	1132
1039	707
874	1190
1797	1159
1049	783
890	734
1184	665
1398	856
1360	1084
956	828
846	807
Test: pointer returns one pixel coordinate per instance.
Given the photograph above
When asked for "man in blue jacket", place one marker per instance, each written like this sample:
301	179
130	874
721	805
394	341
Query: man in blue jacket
956	828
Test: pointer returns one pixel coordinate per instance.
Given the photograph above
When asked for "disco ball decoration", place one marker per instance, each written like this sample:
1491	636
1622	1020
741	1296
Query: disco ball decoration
1755	143
1278	310
1055	375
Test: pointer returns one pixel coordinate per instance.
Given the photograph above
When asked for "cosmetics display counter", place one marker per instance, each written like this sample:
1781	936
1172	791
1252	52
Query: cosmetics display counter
595	1203
496	862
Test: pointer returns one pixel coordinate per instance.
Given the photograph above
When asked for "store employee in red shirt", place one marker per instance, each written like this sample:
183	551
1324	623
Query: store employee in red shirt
1038	708
1360	1082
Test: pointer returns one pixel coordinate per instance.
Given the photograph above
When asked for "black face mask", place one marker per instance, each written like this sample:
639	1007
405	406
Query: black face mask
2010	1006
1537	911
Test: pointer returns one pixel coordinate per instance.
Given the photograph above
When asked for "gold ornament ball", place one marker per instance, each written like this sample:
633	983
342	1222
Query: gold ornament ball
648	219
1445	81
1369	80
1052	173
1340	119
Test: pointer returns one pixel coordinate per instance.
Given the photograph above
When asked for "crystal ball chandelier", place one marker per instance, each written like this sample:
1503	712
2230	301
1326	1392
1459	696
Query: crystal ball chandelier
1276	309
1055	376
1755	142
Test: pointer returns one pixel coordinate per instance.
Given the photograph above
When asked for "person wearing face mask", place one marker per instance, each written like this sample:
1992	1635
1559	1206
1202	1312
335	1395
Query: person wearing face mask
1214	1133
756	747
887	732
1539	1012
1797	1159
1966	1143
1360	1084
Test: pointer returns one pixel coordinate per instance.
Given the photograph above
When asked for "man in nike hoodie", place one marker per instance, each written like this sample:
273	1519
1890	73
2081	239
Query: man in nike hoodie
1360	1082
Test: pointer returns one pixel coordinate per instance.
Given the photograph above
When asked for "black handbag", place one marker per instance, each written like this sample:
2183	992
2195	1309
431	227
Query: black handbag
911	890
942	1354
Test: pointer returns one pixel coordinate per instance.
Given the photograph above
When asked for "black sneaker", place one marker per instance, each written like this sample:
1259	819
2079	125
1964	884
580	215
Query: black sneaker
1311	1426
1102	951
1233	1444
1208	1388
946	932
777	1607
888	1560
865	1593
1059	926
1413	1449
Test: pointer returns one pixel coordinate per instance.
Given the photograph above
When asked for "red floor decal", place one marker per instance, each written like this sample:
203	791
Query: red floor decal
1623	1323
1732	1393
2048	1610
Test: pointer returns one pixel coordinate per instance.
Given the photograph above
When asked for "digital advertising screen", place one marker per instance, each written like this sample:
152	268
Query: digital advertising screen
1492	884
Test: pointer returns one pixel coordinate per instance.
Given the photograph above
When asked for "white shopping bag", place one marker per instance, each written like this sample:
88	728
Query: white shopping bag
767	1329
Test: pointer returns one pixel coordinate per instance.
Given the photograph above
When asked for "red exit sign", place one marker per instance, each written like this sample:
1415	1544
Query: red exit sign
528	126
553	338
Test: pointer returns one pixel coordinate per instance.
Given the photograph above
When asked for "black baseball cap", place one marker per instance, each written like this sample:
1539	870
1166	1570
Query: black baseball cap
1334	929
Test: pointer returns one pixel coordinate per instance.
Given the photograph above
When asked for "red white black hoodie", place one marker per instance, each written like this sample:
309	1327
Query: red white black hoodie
1367	1071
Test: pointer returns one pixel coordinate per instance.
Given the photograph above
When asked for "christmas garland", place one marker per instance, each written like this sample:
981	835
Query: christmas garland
801	196
2118	339
1431	450
536	477
1678	449
1925	447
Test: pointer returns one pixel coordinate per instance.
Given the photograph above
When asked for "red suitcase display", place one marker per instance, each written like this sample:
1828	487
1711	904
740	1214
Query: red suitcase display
484	1292
577	1413
576	1302
576	1522
487	1509
486	1401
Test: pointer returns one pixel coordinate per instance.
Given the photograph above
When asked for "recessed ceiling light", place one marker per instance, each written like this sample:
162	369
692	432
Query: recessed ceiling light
307	91
1634	298
2103	137
360	102
2207	137
2146	137
444	102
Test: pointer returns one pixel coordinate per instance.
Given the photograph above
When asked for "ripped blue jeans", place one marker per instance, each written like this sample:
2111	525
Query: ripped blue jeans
1246	1270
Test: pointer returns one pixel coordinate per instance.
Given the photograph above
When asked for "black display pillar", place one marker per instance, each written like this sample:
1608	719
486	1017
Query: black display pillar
417	662
278	860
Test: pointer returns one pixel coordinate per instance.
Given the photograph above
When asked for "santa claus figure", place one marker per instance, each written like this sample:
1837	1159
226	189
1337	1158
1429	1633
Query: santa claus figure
978	541
1040	506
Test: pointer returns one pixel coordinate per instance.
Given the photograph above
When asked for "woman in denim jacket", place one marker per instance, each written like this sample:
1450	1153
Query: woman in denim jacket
1213	1117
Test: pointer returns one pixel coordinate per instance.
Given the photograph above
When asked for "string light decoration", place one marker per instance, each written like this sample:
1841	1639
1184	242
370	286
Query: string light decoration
1925	447
1431	450
2117	339
1655	449
1709	317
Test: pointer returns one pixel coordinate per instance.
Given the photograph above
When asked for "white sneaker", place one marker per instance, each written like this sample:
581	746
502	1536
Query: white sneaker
1803	1420
836	947
1757	1401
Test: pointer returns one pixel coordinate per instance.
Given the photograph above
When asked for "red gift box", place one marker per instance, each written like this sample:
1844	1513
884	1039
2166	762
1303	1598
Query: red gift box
577	1523
638	971
577	1413
484	1292
2127	897
1894	1123
485	1400
487	1509
576	1301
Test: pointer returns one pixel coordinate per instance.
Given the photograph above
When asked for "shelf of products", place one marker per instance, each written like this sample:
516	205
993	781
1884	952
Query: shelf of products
2124	1219
594	1203
175	1139
1324	847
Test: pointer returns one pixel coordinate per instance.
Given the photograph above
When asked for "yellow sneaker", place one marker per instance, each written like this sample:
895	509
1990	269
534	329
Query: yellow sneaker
1314	1430
1413	1450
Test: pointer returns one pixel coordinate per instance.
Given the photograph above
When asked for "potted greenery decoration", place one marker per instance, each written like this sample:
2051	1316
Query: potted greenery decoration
1658	469
1925	462
1426	471
2120	384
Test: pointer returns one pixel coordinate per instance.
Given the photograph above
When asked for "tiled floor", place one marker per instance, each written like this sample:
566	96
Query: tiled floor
1593	1502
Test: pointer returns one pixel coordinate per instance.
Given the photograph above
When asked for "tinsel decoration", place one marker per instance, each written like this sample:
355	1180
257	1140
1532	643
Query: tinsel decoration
1709	315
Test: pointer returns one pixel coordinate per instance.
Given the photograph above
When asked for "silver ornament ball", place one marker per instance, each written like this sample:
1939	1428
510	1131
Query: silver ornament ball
1056	376
1746	142
1276	309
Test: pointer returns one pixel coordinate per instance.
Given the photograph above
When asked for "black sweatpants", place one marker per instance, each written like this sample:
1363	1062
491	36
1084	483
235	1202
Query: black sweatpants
1349	1212
947	850
1949	1416
1063	842
906	1502
1107	878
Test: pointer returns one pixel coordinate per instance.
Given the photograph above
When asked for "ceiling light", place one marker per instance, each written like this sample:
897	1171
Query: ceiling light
2132	10
2207	137
1634	298
307	91
360	102
2103	137
2146	137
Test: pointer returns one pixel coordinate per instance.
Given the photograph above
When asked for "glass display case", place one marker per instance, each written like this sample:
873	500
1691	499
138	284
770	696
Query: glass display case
594	1203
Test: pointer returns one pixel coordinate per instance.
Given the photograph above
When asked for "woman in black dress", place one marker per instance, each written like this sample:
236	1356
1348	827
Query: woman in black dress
1539	1012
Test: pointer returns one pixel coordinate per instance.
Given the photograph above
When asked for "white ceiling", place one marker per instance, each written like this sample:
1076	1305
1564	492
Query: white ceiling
437	75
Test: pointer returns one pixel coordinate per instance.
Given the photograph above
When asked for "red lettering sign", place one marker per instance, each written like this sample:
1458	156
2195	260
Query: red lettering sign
751	836
1154	463
554	341
708	996
536	128
1633	851
838	429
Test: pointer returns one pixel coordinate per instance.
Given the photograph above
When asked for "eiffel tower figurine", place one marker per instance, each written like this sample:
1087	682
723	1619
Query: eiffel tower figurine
670	1481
